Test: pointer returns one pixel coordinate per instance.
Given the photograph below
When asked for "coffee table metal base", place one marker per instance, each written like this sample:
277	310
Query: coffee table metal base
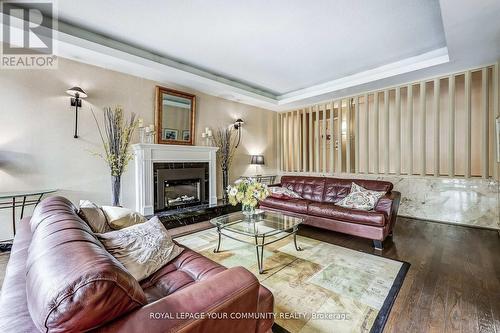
259	243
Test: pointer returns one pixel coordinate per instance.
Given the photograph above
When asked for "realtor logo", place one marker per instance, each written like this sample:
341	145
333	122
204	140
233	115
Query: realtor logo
27	35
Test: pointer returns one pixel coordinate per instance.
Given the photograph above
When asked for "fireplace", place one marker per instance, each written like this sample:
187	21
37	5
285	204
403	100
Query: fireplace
179	185
149	158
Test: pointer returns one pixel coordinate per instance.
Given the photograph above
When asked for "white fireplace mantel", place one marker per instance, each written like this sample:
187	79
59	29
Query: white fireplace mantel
147	154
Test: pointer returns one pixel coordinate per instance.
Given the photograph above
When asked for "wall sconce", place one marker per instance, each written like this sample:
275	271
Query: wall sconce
237	126
76	94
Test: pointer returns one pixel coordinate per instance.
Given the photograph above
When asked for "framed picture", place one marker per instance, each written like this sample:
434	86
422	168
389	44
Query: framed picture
186	134
170	134
174	116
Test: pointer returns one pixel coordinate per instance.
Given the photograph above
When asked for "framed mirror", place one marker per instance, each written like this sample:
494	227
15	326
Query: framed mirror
174	117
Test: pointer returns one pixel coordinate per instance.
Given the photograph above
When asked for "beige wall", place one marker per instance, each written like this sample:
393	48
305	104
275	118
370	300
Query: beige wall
37	148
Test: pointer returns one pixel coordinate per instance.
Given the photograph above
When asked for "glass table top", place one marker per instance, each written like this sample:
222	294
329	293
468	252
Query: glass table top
263	223
27	193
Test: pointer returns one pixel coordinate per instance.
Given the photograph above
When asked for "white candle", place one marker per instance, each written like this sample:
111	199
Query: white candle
203	135
207	129
209	133
151	128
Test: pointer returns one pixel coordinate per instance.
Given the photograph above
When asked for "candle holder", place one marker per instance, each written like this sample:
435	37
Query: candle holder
147	134
207	137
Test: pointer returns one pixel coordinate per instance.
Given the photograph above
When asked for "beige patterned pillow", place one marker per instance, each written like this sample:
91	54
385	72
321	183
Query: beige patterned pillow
360	198
94	216
119	217
283	193
142	248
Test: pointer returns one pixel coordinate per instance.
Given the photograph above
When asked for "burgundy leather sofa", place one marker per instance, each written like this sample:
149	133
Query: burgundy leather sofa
317	206
61	279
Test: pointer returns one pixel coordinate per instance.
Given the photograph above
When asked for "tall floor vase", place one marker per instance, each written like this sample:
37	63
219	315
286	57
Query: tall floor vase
115	190
225	184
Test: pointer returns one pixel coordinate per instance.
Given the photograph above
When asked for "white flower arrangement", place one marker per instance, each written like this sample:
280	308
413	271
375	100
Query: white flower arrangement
248	192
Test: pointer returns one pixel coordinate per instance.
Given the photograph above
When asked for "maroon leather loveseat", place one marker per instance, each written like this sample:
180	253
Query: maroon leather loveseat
61	279
317	206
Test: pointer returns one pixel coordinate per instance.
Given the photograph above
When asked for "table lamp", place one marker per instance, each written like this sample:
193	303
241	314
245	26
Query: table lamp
257	160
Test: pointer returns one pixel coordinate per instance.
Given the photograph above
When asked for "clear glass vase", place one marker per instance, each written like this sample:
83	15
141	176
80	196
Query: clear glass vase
115	190
248	210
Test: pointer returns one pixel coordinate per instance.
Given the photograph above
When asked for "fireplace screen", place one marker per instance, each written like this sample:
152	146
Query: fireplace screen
182	187
182	192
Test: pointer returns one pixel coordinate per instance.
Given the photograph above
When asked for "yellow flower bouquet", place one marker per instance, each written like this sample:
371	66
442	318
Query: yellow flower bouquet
248	192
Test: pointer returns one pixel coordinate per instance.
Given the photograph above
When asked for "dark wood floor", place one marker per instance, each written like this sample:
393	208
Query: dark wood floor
453	284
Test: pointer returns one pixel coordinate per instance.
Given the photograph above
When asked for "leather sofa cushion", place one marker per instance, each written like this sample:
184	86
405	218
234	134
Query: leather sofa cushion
337	188
187	268
287	205
331	211
14	314
72	283
310	188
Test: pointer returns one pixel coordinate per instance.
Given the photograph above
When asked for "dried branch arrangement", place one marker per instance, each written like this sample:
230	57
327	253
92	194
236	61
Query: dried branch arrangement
116	138
225	140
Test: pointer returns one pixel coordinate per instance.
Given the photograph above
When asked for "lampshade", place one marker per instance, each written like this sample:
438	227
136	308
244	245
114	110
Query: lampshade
76	90
257	159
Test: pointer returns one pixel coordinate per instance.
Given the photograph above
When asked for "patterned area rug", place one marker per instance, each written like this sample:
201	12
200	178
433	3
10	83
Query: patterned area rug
323	288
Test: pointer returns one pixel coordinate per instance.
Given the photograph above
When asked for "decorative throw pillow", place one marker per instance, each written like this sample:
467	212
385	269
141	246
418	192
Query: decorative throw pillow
360	198
94	216
119	217
283	193
142	248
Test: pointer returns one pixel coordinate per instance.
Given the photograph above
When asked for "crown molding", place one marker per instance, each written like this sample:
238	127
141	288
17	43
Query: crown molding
429	59
88	47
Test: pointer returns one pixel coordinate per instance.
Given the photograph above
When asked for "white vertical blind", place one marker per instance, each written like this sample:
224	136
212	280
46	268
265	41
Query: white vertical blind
409	107
316	141
383	132
339	136
323	138
367	135
468	134
496	114
451	126
375	137
397	132
485	123
356	136
304	140
437	95
386	132
311	142
423	124
348	137
332	143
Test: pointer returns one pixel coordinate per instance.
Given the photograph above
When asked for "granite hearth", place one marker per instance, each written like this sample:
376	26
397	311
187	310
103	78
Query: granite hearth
188	215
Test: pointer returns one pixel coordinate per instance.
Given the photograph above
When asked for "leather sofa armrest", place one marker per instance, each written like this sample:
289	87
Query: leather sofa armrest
205	306
389	205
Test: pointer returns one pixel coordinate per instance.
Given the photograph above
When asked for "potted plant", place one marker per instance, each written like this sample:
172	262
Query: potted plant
115	139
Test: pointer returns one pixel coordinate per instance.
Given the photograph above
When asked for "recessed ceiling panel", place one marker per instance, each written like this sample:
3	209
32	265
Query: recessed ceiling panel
278	46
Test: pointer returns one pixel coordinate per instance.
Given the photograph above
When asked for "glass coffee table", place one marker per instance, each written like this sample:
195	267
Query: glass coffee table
258	227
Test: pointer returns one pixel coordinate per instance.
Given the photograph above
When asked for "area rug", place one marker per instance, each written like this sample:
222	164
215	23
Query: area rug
323	288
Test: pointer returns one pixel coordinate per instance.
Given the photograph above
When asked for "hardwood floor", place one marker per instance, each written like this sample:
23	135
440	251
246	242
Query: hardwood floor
453	284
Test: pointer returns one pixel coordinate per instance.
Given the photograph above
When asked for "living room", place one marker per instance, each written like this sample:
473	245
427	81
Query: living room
208	166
